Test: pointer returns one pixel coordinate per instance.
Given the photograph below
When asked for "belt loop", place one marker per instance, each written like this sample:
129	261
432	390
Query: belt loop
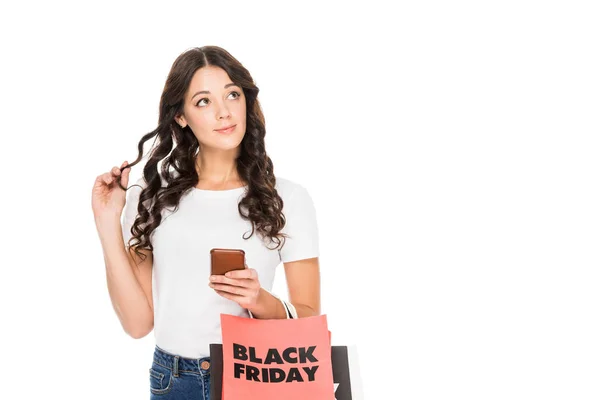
176	367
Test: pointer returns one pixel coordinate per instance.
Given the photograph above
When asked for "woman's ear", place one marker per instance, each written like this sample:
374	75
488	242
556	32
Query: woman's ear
180	121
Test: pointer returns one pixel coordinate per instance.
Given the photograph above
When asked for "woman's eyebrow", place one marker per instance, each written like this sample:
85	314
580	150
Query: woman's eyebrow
208	92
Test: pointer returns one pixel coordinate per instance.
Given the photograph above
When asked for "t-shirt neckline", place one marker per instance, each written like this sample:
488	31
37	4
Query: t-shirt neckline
219	193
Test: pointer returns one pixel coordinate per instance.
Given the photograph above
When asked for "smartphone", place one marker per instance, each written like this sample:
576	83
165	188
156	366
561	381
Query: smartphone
225	260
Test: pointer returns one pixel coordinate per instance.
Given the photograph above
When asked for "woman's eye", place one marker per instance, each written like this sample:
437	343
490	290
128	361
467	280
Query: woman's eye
237	95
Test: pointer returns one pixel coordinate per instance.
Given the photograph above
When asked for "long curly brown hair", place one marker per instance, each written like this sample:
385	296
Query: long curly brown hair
177	148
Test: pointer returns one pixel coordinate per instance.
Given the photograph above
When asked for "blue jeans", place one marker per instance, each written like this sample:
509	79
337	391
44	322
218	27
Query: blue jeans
173	377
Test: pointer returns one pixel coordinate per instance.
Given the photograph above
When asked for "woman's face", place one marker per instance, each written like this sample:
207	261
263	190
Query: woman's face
212	102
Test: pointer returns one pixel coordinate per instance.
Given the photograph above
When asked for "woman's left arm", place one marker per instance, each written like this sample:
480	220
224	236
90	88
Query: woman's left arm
304	289
304	286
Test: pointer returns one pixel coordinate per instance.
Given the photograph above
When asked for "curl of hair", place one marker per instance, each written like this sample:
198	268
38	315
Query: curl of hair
176	149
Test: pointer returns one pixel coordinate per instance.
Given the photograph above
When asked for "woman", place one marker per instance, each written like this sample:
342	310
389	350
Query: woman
215	188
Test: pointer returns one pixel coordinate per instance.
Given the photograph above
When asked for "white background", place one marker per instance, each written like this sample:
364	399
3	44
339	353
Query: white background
451	149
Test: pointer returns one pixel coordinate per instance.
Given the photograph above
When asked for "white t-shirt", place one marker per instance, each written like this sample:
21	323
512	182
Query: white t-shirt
186	310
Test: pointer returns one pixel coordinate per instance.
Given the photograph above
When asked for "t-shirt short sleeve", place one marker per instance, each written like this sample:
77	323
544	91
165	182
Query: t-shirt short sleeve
300	226
130	210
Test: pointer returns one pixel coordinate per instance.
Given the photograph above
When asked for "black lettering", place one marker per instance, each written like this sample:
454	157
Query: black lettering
252	373
238	370
310	371
239	352
273	357
286	355
273	375
307	354
253	357
294	375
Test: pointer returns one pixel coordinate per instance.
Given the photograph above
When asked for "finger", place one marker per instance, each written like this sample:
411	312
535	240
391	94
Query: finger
248	273
125	176
237	290
107	178
116	171
230	281
241	300
99	183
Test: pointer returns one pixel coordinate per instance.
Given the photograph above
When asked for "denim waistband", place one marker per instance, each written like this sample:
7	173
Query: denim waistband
177	364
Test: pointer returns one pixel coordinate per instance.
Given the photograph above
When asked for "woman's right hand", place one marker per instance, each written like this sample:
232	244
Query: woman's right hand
108	199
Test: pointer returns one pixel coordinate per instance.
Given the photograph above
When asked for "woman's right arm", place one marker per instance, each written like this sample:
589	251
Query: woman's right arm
129	283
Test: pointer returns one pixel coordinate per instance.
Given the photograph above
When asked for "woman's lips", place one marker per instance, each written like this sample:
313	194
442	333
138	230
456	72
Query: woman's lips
228	130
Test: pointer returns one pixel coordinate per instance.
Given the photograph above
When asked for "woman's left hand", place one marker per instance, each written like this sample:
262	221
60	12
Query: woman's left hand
241	286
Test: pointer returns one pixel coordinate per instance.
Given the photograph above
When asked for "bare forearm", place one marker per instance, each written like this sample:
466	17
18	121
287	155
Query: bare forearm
126	294
269	307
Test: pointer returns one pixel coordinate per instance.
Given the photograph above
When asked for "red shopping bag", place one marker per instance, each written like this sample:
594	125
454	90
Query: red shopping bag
347	380
273	359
